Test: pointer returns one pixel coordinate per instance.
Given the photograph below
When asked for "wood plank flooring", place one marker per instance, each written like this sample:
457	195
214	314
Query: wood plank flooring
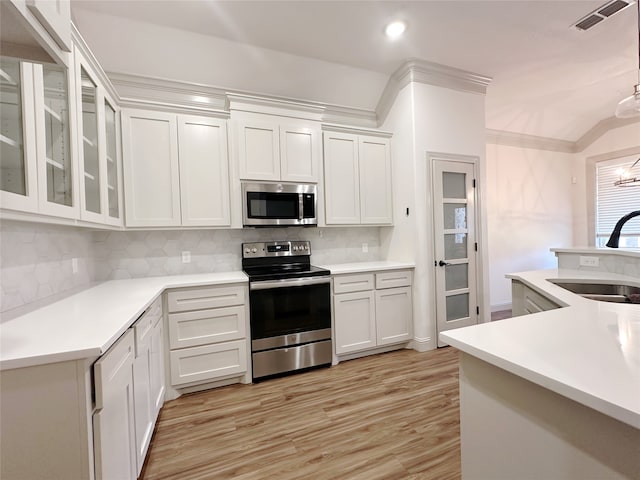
388	416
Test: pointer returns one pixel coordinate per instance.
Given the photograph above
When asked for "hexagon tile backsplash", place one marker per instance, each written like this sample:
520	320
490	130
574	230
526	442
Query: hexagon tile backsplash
150	253
36	259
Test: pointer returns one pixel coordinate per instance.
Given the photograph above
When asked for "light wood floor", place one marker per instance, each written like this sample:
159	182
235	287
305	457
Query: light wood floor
388	416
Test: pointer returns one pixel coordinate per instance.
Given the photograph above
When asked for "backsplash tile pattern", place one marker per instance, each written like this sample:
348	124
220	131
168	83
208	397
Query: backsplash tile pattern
35	261
150	253
624	265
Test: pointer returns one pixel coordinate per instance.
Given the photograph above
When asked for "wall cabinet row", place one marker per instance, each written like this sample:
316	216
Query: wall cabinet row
176	170
357	179
372	310
273	149
59	135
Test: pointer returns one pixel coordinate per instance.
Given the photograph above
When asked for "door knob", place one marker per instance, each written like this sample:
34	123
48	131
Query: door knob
442	263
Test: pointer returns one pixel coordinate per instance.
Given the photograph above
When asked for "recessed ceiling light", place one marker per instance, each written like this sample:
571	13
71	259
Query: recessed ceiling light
395	29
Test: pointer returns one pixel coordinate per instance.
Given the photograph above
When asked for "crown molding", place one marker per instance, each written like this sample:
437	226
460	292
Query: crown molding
600	129
430	73
511	139
144	92
331	127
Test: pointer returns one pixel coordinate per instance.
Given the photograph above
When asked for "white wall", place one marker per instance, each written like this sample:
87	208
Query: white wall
425	118
127	46
529	208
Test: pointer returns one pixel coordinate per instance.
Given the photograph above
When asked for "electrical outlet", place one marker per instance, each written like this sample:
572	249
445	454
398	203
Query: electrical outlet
365	248
74	265
589	261
186	256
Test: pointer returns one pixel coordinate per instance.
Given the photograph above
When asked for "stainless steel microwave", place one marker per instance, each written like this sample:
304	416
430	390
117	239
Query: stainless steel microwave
281	204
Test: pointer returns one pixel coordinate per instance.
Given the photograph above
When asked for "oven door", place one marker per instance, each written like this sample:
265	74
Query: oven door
290	308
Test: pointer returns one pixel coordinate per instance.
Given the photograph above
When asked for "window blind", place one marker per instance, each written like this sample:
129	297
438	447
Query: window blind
613	202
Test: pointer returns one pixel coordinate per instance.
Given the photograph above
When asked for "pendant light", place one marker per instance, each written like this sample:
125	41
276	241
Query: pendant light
630	106
626	178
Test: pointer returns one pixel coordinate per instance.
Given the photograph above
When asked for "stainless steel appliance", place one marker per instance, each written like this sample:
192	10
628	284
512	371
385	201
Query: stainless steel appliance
279	204
290	308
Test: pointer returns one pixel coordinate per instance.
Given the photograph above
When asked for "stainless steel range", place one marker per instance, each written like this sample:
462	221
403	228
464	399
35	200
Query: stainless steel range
290	308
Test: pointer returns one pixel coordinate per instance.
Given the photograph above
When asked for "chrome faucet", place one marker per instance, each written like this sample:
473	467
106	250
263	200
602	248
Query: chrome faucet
614	239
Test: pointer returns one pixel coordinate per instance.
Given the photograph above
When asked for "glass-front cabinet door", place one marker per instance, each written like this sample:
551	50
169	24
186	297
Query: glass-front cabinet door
90	180
56	175
112	141
18	178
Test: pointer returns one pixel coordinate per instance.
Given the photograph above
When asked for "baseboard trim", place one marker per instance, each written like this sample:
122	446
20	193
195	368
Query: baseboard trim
499	307
423	344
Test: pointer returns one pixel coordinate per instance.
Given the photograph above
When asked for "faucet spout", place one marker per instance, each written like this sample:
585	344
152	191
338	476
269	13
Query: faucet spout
614	239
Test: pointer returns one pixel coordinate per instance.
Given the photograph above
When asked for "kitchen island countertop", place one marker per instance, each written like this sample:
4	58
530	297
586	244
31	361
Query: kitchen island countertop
588	351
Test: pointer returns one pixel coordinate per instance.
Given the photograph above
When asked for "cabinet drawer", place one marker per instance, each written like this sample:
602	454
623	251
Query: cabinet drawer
397	278
209	362
203	298
353	283
105	371
189	329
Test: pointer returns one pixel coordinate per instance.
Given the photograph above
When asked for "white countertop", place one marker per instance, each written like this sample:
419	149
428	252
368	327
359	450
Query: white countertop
86	324
361	267
588	351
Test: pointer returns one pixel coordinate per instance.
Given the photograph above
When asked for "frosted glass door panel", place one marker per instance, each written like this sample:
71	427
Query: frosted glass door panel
455	216
456	277
455	246
12	155
113	198
457	307
90	155
453	185
56	125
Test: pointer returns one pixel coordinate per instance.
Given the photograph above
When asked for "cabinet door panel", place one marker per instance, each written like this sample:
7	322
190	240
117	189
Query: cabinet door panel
157	379
152	190
299	154
394	314
144	404
375	181
204	171
355	321
18	182
114	420
258	150
342	187
189	329
208	362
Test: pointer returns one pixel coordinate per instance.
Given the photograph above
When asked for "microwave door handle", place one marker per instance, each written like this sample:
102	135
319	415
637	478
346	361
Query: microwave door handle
301	207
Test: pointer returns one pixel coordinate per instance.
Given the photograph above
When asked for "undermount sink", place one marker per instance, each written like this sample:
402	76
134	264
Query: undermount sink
604	292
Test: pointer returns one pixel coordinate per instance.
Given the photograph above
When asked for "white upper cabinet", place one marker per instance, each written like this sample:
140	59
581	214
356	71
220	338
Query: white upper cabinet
204	171
98	147
18	179
151	171
357	179
341	179
276	149
38	30
375	180
175	170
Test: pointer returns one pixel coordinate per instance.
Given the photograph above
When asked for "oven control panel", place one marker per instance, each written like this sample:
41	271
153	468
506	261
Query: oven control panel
276	249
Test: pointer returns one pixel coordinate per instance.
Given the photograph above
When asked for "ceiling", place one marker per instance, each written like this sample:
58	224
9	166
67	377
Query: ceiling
549	79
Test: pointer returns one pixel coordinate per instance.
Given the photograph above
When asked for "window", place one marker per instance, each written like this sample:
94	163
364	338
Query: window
613	202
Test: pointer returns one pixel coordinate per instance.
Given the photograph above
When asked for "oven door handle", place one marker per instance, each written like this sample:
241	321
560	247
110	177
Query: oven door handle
289	282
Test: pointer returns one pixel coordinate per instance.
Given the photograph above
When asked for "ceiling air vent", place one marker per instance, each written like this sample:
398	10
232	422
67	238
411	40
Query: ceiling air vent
602	13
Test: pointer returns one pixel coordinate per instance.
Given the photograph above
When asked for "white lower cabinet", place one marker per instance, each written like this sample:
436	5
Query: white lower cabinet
114	421
368	314
526	300
207	334
129	386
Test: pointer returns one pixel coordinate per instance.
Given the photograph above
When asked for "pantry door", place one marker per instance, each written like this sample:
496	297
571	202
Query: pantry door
455	247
